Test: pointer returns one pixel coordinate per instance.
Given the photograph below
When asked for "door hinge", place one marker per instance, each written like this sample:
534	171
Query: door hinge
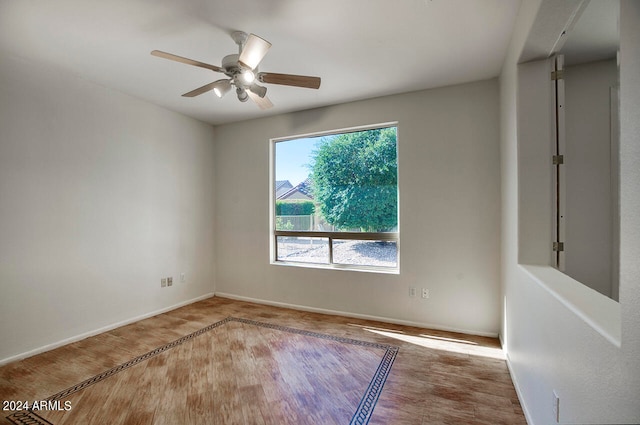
557	75
558	246
558	159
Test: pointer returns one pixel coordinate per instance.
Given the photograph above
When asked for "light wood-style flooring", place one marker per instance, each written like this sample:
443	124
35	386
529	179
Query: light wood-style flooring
437	377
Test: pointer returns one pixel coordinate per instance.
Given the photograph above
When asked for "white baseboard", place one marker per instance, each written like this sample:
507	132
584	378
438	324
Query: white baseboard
353	315
527	416
82	336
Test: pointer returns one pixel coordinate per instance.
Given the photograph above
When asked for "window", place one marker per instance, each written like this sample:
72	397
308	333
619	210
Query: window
335	199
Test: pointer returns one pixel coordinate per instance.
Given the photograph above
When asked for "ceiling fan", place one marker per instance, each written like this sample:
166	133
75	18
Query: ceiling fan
242	72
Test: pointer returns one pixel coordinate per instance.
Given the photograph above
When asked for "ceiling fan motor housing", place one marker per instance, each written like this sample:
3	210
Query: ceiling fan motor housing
234	70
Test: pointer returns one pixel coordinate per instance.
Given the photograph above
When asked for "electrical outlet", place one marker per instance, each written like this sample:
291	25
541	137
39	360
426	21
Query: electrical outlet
182	277
556	406
163	282
425	293
169	281
412	291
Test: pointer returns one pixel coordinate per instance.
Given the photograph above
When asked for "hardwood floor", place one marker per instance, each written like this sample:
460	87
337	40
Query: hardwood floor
436	378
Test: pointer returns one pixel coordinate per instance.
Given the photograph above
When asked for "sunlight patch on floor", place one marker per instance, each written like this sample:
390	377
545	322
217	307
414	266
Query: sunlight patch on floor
445	344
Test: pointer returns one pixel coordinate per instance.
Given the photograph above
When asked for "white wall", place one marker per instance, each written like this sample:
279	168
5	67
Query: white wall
559	334
101	195
449	211
588	188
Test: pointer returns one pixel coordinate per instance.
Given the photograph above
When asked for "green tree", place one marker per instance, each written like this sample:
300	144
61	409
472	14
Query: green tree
355	180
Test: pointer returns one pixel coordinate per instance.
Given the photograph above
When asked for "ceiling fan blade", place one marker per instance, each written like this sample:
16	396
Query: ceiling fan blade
188	61
200	90
289	80
253	51
262	102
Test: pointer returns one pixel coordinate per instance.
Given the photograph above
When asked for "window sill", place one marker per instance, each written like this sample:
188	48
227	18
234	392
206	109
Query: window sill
351	268
597	310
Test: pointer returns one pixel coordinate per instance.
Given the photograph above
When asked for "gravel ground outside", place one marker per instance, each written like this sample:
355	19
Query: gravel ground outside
316	250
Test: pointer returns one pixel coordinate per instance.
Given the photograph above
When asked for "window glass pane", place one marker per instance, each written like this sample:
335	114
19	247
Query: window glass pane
365	253
295	222
303	249
338	182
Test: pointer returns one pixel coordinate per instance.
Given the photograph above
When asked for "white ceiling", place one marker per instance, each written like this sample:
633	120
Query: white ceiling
595	34
360	48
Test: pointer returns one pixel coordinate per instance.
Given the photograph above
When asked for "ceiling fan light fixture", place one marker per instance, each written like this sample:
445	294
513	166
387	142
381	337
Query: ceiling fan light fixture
248	76
221	87
242	95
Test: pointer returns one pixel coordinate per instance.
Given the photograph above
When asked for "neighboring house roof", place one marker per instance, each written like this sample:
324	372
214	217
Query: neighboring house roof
282	186
301	191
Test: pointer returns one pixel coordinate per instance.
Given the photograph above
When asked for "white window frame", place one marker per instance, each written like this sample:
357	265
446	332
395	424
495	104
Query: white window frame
363	236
